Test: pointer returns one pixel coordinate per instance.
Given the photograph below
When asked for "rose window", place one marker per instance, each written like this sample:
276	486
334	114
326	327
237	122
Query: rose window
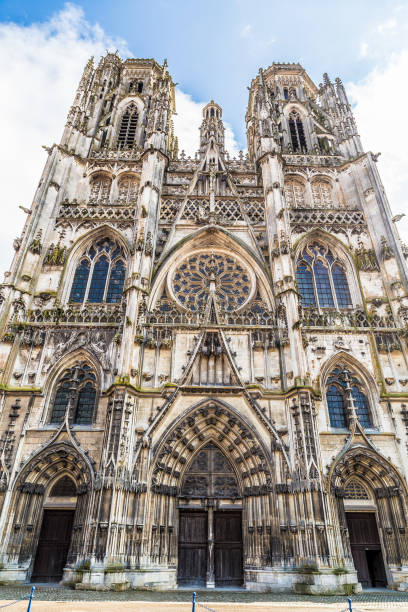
194	276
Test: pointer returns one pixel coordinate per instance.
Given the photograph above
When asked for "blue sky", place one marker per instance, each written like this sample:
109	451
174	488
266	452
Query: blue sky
214	49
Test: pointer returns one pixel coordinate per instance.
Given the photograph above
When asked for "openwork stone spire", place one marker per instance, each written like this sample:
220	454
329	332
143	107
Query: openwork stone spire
212	127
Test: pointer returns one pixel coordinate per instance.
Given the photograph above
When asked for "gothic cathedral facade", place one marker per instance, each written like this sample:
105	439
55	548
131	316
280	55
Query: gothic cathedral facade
204	375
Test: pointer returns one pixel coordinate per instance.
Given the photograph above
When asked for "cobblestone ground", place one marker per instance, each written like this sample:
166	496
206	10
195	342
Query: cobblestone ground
57	599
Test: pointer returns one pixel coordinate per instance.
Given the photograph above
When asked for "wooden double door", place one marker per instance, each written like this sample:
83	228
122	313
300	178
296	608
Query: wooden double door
53	545
210	548
366	549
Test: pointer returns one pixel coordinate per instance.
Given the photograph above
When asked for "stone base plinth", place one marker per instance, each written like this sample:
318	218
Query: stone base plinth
281	581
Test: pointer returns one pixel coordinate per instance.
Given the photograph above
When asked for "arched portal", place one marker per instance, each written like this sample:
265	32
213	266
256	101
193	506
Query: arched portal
48	511
210	535
371	501
212	473
56	531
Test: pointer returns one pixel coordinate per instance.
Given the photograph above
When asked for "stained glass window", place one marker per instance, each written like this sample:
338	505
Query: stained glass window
361	404
80	281
323	287
60	403
98	282
191	281
335	396
86	403
341	287
79	381
321	278
305	285
128	125
335	403
100	274
117	278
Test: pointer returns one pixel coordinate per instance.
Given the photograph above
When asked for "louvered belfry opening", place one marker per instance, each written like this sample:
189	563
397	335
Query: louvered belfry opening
127	130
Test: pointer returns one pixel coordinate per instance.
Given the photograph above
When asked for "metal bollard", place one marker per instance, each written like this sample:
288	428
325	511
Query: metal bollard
31	598
194	600
349	603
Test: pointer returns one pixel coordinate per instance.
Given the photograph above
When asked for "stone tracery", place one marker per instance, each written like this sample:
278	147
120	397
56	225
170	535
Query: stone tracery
191	281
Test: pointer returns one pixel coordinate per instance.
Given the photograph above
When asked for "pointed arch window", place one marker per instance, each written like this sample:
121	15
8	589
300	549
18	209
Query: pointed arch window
297	133
322	193
337	400
100	190
127	189
321	278
100	274
128	125
76	391
294	194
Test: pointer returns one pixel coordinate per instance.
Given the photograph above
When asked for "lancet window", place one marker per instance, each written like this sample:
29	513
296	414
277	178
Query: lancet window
297	133
128	190
322	280
322	194
76	392
294	194
342	387
100	190
128	125
100	274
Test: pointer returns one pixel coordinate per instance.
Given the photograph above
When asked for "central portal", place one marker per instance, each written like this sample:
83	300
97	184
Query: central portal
210	539
210	548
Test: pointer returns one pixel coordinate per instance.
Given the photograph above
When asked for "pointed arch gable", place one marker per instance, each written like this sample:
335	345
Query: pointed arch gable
372	468
216	422
69	359
369	383
63	457
317	234
342	356
210	238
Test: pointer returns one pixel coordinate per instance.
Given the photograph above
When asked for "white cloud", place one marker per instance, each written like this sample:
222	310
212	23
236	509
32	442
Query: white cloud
187	124
380	114
387	37
41	65
246	31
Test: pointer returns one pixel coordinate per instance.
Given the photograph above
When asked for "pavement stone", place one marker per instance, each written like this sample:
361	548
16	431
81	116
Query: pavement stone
60	599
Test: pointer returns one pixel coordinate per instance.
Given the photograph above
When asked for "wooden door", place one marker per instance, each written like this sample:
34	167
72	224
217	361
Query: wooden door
366	548
228	548
192	557
53	545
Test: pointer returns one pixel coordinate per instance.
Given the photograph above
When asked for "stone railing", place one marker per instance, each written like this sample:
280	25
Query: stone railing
311	317
120	213
95	314
311	159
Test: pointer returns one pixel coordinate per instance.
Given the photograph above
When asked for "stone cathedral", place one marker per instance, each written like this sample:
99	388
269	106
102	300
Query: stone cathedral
204	376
